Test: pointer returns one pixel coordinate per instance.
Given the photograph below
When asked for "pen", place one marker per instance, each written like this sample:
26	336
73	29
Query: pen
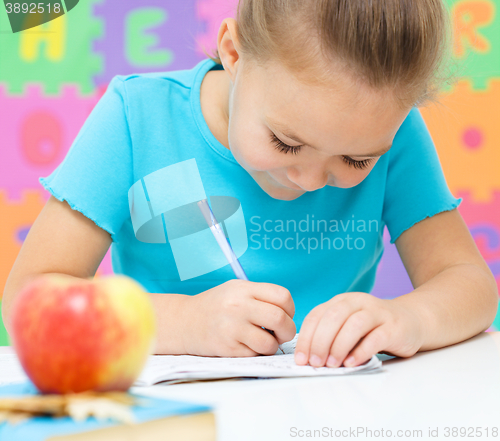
224	245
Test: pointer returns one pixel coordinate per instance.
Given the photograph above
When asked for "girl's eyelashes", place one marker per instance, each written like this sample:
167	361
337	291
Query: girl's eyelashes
282	147
357	164
285	148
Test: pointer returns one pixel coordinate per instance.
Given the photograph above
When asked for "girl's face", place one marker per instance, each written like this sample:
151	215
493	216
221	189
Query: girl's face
292	137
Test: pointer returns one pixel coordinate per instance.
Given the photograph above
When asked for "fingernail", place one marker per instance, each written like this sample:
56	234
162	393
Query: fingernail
331	362
349	361
300	358
315	360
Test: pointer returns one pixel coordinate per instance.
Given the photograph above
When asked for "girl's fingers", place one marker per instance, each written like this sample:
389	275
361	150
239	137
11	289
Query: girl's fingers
306	334
258	341
320	327
329	330
274	294
356	327
374	342
274	318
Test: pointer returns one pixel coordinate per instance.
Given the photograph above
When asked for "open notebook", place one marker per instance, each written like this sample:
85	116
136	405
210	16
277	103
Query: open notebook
181	368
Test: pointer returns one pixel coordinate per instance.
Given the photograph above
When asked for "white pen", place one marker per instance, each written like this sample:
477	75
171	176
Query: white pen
224	245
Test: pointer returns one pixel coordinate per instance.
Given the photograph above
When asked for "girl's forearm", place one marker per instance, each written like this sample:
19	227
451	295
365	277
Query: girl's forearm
458	303
170	312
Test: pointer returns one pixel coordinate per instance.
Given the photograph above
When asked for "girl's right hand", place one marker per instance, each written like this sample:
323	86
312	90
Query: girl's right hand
227	320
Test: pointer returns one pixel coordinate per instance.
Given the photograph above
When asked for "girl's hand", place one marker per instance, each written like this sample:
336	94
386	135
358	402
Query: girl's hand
357	325
227	320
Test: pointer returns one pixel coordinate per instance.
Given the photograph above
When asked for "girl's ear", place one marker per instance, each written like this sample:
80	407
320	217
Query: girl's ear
228	46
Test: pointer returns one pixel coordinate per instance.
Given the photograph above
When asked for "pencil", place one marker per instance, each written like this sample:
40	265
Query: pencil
224	245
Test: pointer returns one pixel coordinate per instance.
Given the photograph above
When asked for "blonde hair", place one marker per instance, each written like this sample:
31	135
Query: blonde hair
401	45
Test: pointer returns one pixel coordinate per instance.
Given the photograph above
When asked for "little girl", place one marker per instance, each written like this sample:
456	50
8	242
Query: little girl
305	132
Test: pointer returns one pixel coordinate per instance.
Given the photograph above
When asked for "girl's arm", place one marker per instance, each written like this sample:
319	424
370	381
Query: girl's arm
455	298
455	292
66	242
61	240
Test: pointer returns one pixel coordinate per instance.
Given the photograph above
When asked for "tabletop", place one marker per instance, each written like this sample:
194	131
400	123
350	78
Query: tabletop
447	393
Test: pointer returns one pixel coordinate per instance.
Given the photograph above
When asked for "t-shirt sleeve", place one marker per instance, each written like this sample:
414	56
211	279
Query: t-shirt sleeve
416	187
96	174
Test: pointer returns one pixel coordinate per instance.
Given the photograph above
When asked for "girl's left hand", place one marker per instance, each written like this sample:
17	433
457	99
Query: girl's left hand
353	326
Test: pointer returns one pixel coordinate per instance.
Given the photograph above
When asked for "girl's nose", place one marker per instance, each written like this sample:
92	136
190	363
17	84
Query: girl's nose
308	180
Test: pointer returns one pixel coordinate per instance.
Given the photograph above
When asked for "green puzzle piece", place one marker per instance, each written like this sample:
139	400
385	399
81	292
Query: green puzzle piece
53	53
4	337
479	24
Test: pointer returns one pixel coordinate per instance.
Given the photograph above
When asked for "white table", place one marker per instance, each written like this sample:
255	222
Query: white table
457	386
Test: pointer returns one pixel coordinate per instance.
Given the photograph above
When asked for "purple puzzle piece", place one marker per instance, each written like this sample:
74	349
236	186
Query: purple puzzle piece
174	30
392	279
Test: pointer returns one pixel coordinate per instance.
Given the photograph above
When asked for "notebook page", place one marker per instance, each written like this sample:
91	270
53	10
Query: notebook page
174	367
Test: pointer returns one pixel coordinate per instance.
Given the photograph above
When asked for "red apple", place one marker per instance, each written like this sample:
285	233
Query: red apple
73	335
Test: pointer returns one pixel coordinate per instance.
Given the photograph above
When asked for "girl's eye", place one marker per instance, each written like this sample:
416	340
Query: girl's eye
357	164
282	147
285	148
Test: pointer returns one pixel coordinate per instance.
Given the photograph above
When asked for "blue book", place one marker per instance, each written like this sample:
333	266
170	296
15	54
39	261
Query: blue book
162	419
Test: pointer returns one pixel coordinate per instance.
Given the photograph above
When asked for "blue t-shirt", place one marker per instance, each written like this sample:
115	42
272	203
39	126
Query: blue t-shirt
125	168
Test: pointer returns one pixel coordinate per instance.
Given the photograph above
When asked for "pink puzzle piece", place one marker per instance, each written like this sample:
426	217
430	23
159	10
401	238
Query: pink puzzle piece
212	12
483	220
37	132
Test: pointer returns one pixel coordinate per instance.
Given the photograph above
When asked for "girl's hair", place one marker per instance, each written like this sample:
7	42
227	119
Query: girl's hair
399	45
